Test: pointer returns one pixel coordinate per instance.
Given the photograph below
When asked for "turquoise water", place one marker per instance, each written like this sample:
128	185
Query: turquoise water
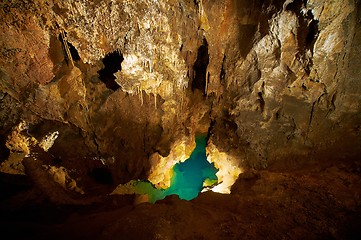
188	176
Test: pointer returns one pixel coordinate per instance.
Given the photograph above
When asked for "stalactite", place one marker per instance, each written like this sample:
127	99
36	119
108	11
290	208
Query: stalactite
137	92
207	80
141	98
155	101
66	47
181	106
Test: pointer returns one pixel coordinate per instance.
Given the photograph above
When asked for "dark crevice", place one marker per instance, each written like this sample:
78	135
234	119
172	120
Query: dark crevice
210	129
112	64
278	115
304	87
223	72
294	6
333	100
4	151
261	101
311	115
73	52
308	26
312	33
200	67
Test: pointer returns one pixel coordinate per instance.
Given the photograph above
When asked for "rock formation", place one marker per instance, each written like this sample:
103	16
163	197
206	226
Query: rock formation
128	84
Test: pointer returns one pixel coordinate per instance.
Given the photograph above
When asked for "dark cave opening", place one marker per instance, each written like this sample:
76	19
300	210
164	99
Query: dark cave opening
102	175
74	53
4	151
261	101
68	46
112	64
312	31
200	67
294	6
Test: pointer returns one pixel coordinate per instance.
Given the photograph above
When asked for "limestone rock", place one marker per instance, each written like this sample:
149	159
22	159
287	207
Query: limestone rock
278	77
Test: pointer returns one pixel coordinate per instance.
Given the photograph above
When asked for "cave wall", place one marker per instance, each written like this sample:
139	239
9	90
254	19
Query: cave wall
53	57
281	73
281	80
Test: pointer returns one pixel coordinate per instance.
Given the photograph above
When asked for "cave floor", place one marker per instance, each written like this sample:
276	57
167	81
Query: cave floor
321	203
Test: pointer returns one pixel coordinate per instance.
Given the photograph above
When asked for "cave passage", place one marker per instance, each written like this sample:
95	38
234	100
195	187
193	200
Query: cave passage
189	177
112	64
72	50
200	67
